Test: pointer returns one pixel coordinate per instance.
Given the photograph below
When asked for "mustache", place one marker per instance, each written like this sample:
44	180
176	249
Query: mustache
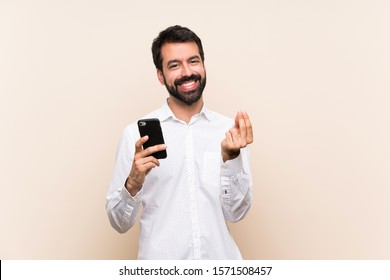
193	77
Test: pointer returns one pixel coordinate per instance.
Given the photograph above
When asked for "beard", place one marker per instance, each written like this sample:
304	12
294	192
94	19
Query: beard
188	97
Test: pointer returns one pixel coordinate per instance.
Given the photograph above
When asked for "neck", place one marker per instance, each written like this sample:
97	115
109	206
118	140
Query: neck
183	111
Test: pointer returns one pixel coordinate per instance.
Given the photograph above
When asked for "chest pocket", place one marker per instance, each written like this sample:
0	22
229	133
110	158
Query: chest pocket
211	168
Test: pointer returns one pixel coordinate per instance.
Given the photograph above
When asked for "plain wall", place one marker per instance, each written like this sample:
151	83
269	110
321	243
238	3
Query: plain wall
313	75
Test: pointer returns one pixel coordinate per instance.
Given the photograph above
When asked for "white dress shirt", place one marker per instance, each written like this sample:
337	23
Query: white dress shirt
188	198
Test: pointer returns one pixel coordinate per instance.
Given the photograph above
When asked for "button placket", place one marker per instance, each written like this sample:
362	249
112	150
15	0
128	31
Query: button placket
190	163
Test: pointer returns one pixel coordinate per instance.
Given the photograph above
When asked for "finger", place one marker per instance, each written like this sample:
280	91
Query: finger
149	166
142	165
139	143
242	127
249	129
236	120
235	138
154	149
229	139
147	172
150	159
144	168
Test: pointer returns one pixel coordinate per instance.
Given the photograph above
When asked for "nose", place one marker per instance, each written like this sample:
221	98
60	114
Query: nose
186	70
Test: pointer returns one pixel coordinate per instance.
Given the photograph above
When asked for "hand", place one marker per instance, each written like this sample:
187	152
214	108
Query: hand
239	136
142	164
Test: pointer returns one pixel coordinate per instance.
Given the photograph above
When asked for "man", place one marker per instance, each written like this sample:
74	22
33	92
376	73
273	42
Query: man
204	181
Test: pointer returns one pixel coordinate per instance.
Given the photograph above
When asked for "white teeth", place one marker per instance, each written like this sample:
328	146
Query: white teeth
188	84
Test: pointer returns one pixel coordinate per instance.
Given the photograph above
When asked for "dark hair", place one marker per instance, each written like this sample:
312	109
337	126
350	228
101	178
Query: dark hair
174	34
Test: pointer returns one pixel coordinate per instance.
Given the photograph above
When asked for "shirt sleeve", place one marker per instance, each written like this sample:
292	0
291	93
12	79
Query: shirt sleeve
122	208
236	187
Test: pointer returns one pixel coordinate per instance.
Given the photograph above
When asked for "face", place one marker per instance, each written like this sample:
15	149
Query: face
183	72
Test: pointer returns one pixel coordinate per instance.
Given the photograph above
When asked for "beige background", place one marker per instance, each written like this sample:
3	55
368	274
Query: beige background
314	76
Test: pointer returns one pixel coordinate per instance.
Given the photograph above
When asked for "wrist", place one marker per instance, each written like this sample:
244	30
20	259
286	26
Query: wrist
132	188
229	155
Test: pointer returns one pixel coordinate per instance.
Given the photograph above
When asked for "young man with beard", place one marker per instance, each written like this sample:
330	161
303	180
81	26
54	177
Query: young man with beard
205	180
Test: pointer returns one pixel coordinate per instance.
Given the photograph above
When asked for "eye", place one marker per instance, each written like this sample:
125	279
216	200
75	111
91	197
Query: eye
194	61
173	65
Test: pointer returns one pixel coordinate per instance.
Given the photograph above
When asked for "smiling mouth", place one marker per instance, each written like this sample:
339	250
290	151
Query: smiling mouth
187	86
188	83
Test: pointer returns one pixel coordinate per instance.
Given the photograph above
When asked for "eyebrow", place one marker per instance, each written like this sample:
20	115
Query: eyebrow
178	60
173	61
194	56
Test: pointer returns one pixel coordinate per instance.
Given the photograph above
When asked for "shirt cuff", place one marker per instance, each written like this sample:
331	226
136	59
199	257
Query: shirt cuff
231	171
232	167
131	200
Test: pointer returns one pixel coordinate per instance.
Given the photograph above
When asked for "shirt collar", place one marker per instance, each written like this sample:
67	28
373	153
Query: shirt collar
166	113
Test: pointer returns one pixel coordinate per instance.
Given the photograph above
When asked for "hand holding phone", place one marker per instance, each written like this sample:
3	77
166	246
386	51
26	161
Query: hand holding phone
152	128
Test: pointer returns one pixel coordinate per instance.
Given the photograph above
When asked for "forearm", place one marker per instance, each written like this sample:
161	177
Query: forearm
236	187
122	210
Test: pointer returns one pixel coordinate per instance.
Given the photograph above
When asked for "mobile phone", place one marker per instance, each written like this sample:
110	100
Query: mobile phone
152	128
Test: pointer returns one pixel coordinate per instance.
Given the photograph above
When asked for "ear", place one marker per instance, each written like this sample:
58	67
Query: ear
160	76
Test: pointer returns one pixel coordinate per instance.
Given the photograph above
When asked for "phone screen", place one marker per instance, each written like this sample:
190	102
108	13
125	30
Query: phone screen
152	128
